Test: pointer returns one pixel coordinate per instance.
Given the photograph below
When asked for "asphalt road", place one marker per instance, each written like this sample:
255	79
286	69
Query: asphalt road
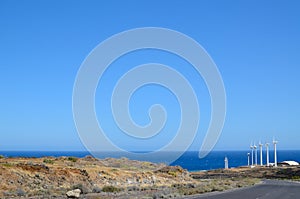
269	189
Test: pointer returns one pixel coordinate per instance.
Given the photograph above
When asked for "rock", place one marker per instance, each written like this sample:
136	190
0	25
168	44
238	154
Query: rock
74	193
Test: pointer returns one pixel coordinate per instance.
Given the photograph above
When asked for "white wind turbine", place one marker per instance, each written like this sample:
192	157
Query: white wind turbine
260	150
275	152
255	148
267	146
251	147
248	154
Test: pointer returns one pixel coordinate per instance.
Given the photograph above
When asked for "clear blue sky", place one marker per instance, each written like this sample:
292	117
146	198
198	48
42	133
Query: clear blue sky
255	45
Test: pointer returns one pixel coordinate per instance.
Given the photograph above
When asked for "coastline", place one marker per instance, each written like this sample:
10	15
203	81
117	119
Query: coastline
121	178
189	160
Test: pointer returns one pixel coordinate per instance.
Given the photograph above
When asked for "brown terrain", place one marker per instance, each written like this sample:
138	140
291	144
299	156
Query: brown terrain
261	172
51	177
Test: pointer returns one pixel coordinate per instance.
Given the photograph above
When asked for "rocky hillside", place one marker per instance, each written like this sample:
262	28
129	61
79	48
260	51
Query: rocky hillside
52	176
64	177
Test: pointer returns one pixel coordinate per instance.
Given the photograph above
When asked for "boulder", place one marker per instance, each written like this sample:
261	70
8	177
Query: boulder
74	193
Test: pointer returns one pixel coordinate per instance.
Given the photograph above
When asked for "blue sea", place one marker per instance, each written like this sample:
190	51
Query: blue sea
189	160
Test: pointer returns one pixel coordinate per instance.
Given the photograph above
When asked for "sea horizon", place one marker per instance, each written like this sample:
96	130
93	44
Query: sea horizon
189	160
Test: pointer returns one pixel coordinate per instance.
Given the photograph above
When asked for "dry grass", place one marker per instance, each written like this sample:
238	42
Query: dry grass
216	185
55	176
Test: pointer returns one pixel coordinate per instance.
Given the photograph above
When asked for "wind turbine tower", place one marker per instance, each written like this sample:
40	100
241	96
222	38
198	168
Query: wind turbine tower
255	148
267	146
275	152
248	154
260	150
251	147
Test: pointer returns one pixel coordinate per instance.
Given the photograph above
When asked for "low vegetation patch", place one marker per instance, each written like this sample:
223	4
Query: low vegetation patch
297	178
172	173
72	159
6	164
111	189
48	161
215	185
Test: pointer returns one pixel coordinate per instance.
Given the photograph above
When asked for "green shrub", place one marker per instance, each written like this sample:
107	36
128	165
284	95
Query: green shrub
7	164
48	161
72	159
1	157
172	173
296	177
110	189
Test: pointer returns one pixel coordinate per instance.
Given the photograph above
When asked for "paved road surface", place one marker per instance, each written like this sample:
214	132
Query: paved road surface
269	189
